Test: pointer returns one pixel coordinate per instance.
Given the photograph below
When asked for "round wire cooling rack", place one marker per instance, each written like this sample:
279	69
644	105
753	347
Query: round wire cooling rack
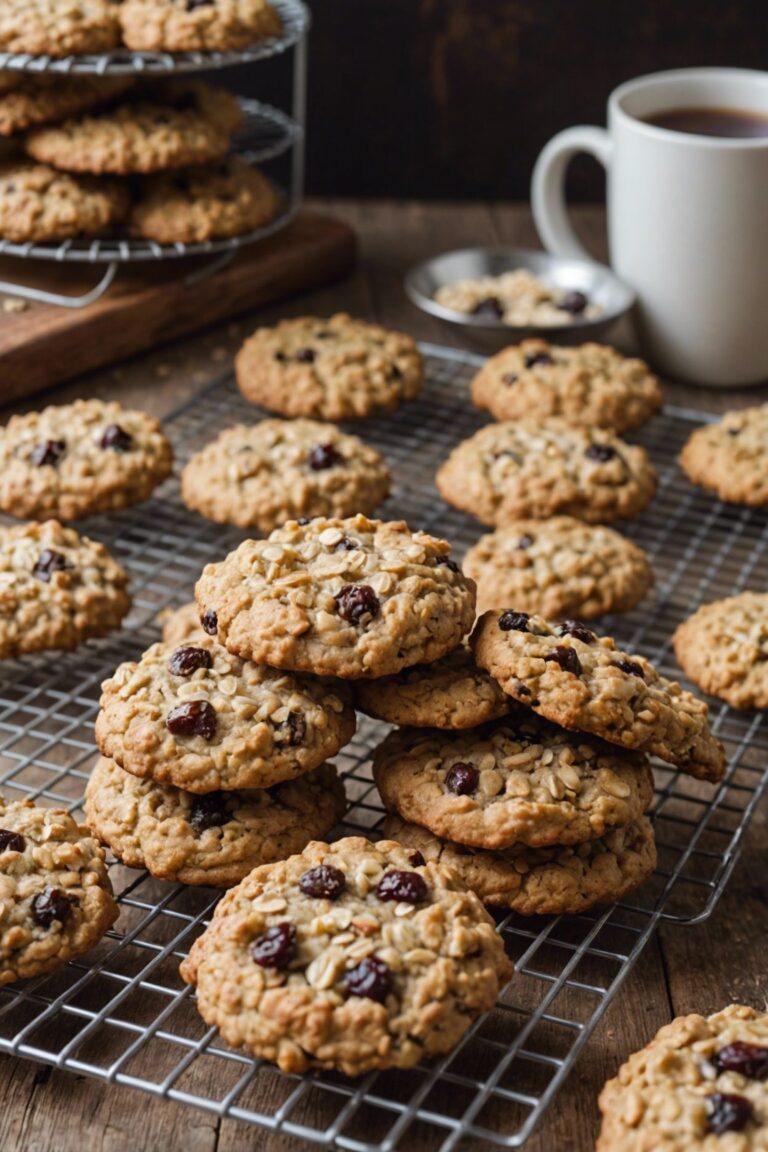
266	134
293	13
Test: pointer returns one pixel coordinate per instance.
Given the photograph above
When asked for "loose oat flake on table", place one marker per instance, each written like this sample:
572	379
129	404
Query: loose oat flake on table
216	838
573	677
701	1085
57	589
519	781
562	879
541	468
199	718
557	568
56	900
350	598
350	956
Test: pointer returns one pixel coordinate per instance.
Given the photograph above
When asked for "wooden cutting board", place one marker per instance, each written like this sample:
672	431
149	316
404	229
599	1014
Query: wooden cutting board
150	304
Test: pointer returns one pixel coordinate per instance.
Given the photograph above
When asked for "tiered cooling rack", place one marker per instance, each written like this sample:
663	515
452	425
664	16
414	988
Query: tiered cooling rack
122	1015
267	133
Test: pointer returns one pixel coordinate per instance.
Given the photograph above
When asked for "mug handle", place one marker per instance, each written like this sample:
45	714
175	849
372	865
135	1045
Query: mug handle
550	212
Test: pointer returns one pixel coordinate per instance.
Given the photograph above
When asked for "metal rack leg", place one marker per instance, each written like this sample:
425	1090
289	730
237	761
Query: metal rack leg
299	111
40	296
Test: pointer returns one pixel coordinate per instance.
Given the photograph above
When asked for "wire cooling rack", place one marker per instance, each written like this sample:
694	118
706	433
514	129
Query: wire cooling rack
267	133
295	19
122	1015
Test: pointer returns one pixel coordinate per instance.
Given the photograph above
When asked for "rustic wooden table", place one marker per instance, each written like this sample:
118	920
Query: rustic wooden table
690	969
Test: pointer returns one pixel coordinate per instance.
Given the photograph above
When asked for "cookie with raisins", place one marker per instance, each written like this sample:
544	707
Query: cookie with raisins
214	838
201	719
57	899
350	956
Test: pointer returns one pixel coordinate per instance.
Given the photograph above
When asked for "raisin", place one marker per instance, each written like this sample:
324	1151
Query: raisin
578	630
116	437
208	811
728	1112
192	4
395	372
630	668
509	378
192	718
462	778
293	730
323	883
276	947
573	302
525	541
303	520
534	358
602	453
280	357
346	545
355	601
416	860
490	306
405	887
185	661
446	562
210	622
371	978
52	904
567	658
48	452
749	1060
733	431
305	356
323	456
11	841
49	562
514	621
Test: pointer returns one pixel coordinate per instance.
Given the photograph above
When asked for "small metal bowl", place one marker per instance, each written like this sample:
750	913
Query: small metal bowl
593	279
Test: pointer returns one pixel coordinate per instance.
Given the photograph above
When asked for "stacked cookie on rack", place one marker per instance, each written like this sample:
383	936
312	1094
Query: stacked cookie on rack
541	807
148	158
211	764
59	29
350	955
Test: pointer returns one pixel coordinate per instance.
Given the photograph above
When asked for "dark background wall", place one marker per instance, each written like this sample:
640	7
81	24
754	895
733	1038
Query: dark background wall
455	98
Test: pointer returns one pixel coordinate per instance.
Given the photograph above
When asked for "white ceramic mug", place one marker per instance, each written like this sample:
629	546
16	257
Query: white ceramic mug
687	221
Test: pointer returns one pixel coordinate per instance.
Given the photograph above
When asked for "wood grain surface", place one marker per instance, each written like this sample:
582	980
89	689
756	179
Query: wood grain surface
150	304
699	968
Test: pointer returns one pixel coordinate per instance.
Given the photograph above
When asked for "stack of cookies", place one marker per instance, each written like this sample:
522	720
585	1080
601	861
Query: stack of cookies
532	778
349	955
212	765
149	157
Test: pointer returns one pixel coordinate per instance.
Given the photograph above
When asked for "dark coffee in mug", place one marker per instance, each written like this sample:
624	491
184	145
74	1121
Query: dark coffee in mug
737	123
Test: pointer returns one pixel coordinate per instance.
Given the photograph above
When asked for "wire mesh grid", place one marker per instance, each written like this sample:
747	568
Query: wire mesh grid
267	133
122	1014
295	20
